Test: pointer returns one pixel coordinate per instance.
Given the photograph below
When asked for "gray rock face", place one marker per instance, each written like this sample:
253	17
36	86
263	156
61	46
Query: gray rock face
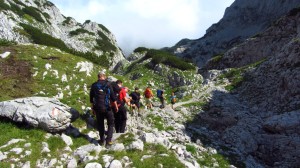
52	22
46	113
241	20
261	120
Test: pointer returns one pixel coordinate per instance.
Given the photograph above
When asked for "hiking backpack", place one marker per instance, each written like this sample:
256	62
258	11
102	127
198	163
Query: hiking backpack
102	98
159	93
147	93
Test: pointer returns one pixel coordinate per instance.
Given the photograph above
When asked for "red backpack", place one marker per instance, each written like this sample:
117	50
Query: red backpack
147	93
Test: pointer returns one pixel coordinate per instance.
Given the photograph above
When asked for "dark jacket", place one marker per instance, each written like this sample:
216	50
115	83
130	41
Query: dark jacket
94	90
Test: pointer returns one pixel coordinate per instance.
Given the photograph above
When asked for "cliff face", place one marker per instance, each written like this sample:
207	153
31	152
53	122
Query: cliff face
260	118
241	20
46	17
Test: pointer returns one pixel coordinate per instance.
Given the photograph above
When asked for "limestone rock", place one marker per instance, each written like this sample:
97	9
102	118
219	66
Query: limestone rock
46	113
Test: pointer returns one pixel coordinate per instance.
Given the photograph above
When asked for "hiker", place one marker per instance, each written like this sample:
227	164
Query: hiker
160	95
101	94
121	115
116	86
135	99
148	95
173	99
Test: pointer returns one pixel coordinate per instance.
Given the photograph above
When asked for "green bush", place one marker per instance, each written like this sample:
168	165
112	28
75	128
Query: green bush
67	21
140	49
103	28
19	2
4	42
167	58
34	12
104	43
39	37
16	9
48	3
3	5
81	31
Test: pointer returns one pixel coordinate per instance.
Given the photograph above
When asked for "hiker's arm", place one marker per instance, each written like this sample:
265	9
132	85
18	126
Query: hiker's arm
92	99
113	98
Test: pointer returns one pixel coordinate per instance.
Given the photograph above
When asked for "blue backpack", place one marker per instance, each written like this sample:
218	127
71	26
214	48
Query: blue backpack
159	93
102	98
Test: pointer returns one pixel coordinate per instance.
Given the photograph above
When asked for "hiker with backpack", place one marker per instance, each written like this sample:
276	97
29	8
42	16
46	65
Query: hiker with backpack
160	95
148	96
135	99
101	94
121	115
173	99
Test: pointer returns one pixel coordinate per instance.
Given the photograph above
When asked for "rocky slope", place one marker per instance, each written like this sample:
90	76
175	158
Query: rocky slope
88	37
241	20
260	118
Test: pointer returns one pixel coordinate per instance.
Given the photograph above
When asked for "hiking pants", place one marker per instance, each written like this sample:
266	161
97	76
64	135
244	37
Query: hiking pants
109	116
120	119
162	101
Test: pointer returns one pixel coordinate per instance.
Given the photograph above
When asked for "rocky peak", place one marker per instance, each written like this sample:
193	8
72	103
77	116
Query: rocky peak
241	20
46	17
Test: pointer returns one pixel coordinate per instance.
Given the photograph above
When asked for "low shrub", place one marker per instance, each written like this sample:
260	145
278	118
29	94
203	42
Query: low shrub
167	58
34	12
81	31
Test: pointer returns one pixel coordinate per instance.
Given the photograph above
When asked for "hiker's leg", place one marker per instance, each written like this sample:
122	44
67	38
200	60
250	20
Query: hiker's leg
123	119
110	125
117	122
100	124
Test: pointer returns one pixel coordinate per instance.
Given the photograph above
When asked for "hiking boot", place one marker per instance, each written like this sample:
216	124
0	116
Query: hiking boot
108	144
101	143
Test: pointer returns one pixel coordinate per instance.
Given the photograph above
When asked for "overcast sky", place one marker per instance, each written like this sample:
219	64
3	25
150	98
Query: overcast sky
148	23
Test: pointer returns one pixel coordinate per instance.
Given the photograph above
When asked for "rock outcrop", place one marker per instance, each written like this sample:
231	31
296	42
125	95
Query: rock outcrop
241	20
46	113
46	17
260	118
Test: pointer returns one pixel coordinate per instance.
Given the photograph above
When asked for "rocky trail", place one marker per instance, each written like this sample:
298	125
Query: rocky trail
155	126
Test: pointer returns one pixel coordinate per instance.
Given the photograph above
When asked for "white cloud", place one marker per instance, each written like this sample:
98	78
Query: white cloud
149	23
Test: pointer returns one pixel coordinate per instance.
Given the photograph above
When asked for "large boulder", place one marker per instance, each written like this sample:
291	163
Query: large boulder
46	113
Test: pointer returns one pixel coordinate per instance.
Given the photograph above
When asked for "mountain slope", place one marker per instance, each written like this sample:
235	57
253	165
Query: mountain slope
24	21
241	20
259	118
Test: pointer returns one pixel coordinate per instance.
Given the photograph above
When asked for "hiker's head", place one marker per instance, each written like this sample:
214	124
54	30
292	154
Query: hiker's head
136	89
101	75
119	83
126	89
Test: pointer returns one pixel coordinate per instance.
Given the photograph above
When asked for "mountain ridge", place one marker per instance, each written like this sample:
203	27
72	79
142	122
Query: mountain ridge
241	20
89	37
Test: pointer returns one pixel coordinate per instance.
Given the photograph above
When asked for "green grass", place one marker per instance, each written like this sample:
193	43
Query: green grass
126	139
156	121
191	148
56	145
236	75
170	161
33	136
208	160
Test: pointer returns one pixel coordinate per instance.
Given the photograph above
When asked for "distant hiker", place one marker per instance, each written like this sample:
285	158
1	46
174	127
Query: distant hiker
135	99
173	99
148	95
121	115
160	95
101	94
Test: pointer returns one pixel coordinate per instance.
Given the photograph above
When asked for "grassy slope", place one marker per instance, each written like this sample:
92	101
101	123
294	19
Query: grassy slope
18	79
